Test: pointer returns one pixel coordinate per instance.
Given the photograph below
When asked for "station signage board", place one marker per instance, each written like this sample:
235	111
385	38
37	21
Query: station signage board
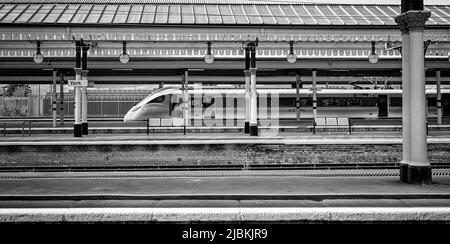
77	82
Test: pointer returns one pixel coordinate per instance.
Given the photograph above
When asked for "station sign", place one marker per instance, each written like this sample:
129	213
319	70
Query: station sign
77	82
315	89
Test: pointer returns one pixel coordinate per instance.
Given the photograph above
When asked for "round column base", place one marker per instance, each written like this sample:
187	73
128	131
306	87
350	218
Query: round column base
254	130
77	130
85	128
419	175
247	127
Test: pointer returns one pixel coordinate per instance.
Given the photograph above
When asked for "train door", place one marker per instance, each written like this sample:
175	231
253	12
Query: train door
382	106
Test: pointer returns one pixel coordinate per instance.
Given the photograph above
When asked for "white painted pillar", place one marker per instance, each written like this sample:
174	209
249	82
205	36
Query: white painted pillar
84	103
438	97
186	100
314	79
418	124
406	117
54	98
247	102
77	109
253	103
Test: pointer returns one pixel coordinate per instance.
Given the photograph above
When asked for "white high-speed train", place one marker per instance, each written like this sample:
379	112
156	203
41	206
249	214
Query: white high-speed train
226	103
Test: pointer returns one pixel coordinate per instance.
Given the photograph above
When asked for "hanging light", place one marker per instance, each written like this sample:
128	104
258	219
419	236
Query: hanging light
124	57
291	57
209	57
373	57
38	57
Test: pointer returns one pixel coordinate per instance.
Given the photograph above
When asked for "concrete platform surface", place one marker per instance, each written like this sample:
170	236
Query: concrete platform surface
311	195
218	138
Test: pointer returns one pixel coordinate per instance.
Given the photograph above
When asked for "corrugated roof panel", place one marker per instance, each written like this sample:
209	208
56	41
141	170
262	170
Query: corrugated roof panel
28	13
368	15
68	14
266	15
317	15
175	14
14	13
82	13
330	15
135	14
291	15
433	20
304	15
95	14
214	14
148	15
279	15
41	13
343	15
387	20
200	14
122	14
108	14
187	14
227	14
239	15
162	14
360	19
6	8
252	15
53	16
444	16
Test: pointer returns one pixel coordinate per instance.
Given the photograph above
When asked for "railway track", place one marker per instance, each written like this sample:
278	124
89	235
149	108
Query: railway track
210	167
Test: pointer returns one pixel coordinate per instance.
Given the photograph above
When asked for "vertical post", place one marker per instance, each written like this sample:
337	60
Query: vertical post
406	106
77	129
414	18
247	91
297	93
314	73
54	98
84	109
61	99
438	97
253	96
186	100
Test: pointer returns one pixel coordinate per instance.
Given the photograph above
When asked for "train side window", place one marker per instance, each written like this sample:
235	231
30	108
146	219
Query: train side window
287	102
396	102
159	99
368	102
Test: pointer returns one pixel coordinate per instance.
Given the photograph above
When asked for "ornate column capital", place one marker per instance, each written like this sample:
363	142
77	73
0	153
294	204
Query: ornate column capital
412	20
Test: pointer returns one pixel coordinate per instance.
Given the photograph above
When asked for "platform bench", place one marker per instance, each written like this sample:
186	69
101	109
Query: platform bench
332	122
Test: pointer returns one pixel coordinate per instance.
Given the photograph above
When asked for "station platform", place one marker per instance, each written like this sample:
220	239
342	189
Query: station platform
327	195
220	138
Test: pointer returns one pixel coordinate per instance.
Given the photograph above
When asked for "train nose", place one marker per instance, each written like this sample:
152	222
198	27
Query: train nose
128	116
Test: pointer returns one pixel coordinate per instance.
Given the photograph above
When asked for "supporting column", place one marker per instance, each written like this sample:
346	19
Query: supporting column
84	107
54	98
419	170
438	97
314	101
297	95
406	106
77	128
61	99
186	100
247	102
253	104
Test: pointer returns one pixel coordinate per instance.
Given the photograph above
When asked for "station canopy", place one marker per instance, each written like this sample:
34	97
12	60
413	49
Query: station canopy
210	12
164	37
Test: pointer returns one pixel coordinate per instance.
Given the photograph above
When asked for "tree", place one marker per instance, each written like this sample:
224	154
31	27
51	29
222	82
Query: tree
17	90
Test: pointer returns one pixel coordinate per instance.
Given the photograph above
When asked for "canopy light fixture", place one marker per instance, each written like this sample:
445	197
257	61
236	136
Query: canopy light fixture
373	57
38	57
291	57
209	57
124	57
